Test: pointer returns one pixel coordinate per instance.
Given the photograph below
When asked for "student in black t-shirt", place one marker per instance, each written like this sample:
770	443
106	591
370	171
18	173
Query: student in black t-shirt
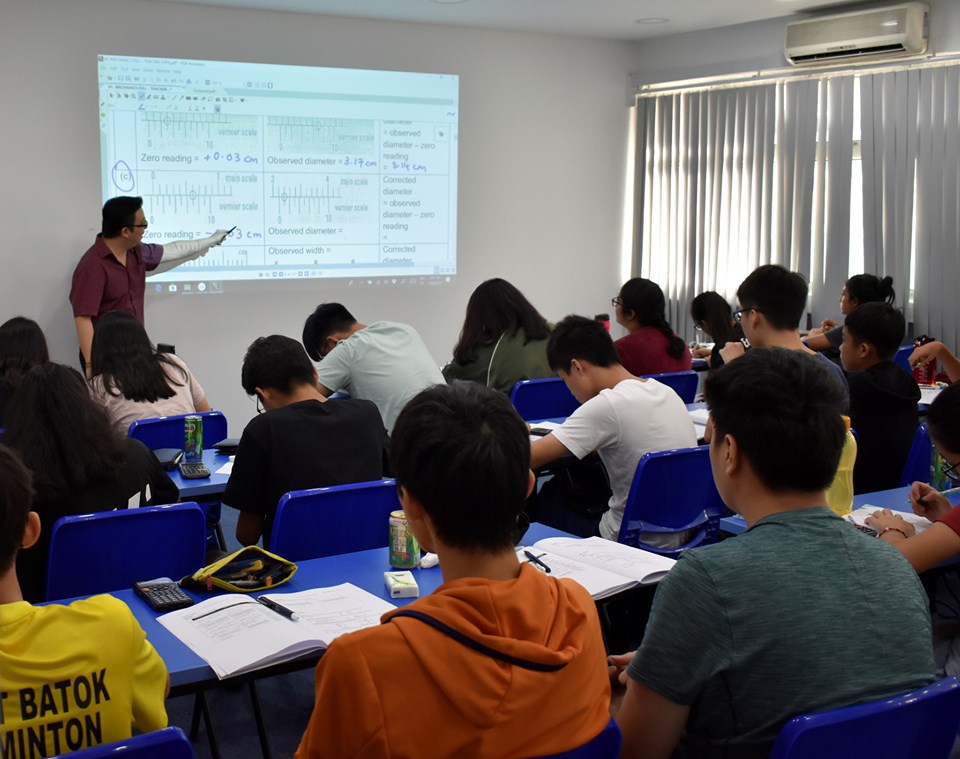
303	441
883	397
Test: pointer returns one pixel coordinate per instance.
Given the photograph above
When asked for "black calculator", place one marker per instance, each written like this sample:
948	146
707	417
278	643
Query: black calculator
163	594
193	470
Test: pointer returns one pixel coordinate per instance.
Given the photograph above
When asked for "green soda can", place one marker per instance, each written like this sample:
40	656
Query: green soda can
193	438
404	548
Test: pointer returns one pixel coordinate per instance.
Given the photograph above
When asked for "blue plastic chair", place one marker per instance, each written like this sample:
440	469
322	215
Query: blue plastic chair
922	723
543	399
673	491
339	519
901	356
917	465
683	383
605	746
167	431
168	743
110	550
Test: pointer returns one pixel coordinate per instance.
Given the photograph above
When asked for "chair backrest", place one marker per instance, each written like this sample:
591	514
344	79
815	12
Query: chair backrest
922	723
901	356
339	519
683	383
543	399
110	550
673	491
605	746
167	431
168	743
917	465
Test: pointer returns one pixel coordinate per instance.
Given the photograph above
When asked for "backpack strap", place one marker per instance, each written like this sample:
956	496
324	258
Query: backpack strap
463	640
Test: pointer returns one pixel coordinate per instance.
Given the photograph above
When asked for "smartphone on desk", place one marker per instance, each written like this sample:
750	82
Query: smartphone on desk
163	594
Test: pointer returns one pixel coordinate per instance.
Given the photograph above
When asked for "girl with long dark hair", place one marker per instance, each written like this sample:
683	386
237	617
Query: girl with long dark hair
132	380
652	347
79	462
22	347
711	313
503	340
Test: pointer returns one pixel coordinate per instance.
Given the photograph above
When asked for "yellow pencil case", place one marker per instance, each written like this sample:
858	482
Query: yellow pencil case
245	571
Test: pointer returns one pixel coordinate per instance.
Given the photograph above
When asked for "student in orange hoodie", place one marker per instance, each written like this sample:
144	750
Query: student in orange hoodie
501	660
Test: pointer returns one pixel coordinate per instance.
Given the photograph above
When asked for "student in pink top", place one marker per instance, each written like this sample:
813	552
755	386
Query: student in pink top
652	347
131	380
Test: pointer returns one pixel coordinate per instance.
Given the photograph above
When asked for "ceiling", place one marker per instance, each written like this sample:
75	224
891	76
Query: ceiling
607	19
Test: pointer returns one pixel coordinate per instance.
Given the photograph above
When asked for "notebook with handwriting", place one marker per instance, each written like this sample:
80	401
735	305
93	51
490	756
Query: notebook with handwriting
235	634
602	567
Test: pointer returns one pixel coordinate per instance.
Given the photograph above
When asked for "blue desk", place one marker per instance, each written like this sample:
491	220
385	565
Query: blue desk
897	499
188	672
214	485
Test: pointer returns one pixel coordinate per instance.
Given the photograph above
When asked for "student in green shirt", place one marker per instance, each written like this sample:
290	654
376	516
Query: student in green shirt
793	616
503	340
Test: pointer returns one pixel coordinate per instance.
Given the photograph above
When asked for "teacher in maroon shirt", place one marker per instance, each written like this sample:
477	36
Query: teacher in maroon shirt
111	276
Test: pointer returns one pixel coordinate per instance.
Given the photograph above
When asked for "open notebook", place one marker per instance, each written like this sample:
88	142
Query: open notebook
859	516
236	634
602	567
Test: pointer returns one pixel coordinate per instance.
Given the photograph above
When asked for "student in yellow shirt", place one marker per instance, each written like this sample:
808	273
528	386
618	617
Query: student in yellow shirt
70	676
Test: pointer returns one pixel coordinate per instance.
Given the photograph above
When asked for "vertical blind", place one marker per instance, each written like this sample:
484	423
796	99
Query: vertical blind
734	177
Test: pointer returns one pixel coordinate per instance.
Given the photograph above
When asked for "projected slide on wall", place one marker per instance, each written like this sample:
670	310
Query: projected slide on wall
321	173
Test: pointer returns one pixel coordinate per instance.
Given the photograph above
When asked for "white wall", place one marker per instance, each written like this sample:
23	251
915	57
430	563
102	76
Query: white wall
542	145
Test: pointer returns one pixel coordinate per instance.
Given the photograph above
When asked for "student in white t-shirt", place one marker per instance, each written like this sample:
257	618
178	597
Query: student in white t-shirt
622	418
383	362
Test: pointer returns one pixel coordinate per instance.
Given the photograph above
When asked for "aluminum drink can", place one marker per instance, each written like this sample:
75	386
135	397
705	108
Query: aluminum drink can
404	548
193	438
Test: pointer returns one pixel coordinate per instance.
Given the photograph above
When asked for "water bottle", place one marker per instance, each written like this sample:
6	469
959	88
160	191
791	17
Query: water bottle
840	492
927	374
604	319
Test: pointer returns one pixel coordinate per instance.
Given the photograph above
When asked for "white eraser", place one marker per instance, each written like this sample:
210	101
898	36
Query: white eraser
429	560
401	584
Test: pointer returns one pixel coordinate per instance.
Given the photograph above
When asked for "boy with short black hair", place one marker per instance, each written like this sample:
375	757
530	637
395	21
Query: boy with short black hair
622	417
72	676
500	660
748	633
384	362
303	441
883	397
772	301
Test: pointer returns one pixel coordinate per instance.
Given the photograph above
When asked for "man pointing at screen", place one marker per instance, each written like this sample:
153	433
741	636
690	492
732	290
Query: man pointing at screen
111	275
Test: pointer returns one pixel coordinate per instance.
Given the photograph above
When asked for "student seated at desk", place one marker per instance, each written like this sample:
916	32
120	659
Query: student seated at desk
503	339
940	541
303	441
79	462
859	290
883	397
72	676
383	362
22	347
933	351
772	301
499	661
651	347
800	613
622	417
712	314
132	380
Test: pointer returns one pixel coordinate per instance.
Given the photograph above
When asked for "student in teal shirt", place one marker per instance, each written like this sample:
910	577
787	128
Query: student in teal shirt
793	616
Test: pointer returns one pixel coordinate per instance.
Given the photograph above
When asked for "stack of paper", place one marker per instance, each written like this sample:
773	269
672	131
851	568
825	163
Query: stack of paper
859	516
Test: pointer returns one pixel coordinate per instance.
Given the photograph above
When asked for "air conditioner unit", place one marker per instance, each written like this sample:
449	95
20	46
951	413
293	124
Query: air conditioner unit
896	30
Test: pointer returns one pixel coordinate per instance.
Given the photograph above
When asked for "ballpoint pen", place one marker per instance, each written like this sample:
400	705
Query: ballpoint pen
281	610
536	560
